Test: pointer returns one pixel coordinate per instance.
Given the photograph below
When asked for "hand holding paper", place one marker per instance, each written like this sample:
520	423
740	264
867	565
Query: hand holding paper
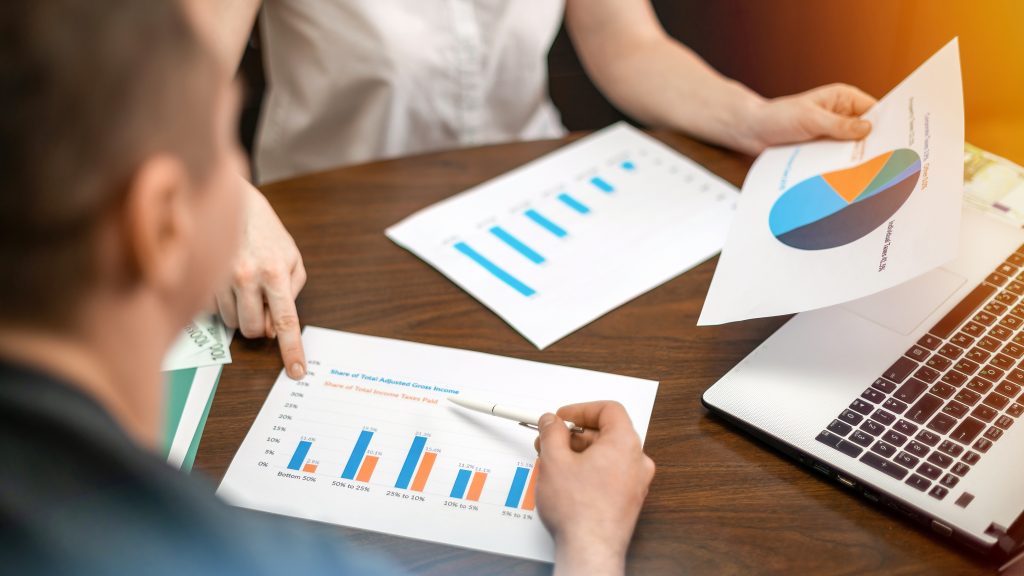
827	222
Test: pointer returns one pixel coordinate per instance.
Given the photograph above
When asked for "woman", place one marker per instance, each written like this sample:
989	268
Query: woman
356	80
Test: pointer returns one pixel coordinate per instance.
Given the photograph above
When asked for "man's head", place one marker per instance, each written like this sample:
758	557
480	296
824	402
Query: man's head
119	172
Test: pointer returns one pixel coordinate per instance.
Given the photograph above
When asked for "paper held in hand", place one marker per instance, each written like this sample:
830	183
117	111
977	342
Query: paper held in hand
827	222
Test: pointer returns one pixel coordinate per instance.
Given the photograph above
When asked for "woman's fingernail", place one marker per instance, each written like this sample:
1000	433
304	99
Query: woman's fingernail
297	371
546	420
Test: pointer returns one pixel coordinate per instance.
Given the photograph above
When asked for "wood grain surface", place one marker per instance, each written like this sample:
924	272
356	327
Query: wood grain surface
721	503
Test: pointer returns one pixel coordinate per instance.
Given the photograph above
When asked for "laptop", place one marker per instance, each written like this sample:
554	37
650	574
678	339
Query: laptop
913	397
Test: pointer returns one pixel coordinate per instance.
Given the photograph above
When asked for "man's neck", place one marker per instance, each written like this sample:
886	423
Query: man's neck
87	368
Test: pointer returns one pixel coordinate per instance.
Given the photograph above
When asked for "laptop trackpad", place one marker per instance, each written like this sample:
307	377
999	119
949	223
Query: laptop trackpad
904	307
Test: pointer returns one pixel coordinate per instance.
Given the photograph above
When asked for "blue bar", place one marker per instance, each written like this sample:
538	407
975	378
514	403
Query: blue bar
628	166
495	270
515	494
415	451
574	204
546	224
300	455
461	481
515	243
356	458
602	185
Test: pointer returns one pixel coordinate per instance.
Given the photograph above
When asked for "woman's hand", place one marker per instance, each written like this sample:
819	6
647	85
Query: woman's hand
831	111
267	279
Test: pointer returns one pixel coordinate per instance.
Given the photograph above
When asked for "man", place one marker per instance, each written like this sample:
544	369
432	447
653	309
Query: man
120	213
356	80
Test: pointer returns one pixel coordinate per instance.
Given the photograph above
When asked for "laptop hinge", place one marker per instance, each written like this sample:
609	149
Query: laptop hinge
1016	559
1008	541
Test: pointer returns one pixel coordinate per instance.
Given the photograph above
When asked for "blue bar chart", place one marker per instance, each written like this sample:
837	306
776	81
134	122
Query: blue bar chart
524	248
355	460
602	185
517	245
419	462
555	244
546	224
515	492
299	456
411	461
495	270
469	484
573	203
522	492
461	483
368	439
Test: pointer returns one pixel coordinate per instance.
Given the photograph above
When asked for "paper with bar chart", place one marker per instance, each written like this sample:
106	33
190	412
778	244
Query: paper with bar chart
368	440
828	222
559	242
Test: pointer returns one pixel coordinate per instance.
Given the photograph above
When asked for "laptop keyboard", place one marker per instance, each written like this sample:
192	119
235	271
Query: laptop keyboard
941	406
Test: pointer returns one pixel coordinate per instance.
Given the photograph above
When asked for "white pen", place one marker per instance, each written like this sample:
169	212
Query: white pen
523	417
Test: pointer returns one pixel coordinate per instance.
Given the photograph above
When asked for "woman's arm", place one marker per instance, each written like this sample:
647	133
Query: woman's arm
268	273
660	82
227	24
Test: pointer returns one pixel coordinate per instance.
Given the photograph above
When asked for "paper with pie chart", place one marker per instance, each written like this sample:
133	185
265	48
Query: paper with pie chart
827	222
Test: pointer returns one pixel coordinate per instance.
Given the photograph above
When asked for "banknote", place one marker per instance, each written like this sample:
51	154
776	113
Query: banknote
205	341
994	184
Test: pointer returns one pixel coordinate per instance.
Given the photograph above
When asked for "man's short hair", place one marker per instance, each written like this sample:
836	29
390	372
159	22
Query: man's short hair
88	90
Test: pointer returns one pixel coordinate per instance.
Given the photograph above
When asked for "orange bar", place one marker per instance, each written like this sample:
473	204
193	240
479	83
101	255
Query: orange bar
366	470
529	501
421	475
477	486
309	468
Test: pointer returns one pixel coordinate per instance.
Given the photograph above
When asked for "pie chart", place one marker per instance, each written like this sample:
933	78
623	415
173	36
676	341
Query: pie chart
835	208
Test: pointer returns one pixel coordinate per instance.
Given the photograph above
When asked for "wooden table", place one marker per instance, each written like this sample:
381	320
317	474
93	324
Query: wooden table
721	503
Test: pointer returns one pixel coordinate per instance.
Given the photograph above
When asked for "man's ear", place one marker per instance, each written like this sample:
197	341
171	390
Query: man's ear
158	230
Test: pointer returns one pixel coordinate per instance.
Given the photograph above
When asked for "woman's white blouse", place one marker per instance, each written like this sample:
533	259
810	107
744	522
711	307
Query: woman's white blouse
351	81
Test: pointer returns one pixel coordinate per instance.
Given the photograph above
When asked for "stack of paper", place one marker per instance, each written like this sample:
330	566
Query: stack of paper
189	394
191	371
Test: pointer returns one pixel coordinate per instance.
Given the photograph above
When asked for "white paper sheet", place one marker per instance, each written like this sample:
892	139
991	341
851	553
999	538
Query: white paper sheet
559	242
192	414
303	456
828	222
